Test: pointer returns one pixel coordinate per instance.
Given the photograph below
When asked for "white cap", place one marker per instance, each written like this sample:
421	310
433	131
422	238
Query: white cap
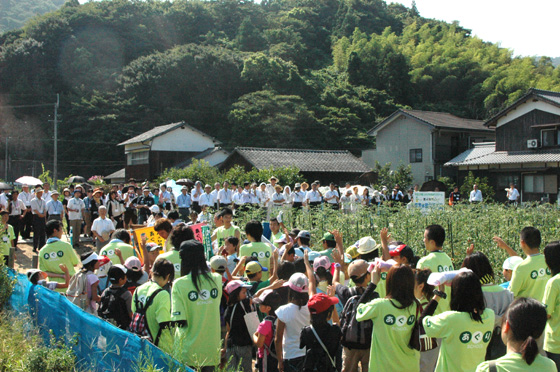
511	262
154	209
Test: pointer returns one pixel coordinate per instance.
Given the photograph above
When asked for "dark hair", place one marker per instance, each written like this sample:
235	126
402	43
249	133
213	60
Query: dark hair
466	295
226	212
162	268
531	236
179	234
304	241
408	253
285	270
115	274
255	229
400	285
34	278
360	280
299	264
319	320
112	193
173	215
324	274
421	276
437	234
233	297
163	224
331	243
273	219
480	265
552	257
527	319
298	298
370	256
121	234
90	266
51	226
193	261
233	241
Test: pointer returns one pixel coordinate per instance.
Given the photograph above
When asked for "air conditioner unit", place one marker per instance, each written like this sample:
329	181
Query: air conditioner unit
532	143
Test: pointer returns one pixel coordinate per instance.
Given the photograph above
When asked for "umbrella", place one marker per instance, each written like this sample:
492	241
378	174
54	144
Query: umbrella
28	180
76	179
185	182
5	186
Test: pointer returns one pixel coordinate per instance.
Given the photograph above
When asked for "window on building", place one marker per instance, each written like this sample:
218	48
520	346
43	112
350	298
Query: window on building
540	184
416	155
549	137
137	158
504	180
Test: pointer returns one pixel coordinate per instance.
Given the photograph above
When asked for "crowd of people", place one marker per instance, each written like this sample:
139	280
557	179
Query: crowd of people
289	301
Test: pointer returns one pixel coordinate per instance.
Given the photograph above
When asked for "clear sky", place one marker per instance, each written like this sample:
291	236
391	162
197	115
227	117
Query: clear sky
527	27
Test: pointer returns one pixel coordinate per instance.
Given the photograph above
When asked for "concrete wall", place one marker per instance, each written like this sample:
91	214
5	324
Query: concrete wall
394	143
182	139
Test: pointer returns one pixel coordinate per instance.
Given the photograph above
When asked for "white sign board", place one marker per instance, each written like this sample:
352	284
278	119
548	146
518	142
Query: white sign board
428	200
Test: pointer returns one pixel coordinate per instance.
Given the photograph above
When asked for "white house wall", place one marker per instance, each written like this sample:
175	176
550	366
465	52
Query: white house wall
394	143
216	158
526	108
180	139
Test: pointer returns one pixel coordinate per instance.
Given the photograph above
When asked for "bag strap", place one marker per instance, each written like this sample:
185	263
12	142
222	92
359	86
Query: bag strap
268	347
324	347
151	298
492	366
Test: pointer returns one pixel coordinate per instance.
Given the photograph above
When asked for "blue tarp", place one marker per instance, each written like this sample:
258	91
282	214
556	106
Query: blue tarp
100	345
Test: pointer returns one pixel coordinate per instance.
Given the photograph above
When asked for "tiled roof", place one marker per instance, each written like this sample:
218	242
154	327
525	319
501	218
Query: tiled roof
117	174
162	129
484	154
304	160
202	155
545	95
436	119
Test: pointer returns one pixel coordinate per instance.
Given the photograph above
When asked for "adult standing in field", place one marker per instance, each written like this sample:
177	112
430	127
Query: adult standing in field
256	248
143	204
39	210
27	224
17	211
455	196
7	236
207	199
95	202
129	199
76	213
332	197
87	213
437	260
215	193
298	197
56	252
55	210
314	196
476	195
225	196
271	186
164	201
512	194
195	309
196	193
102	228
184	203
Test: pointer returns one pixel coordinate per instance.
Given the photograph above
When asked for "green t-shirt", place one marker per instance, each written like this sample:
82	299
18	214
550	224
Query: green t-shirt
158	312
328	253
55	253
551	300
260	250
274	237
175	258
199	342
438	262
109	251
6	237
392	328
464	340
529	278
514	362
222	233
382	285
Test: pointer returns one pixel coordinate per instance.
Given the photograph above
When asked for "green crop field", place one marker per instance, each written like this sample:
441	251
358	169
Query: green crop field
462	223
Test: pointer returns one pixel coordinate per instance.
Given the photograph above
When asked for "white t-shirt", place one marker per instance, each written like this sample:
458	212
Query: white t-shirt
476	196
513	195
77	205
313	196
207	199
195	194
3	200
224	196
332	194
103	226
295	319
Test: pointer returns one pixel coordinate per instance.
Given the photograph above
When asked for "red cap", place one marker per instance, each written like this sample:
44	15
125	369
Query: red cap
321	302
103	260
397	250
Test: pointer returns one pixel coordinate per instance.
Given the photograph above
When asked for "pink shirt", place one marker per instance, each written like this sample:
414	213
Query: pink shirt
265	328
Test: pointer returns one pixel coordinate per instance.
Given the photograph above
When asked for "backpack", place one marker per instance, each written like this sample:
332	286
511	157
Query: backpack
77	290
355	335
113	307
139	323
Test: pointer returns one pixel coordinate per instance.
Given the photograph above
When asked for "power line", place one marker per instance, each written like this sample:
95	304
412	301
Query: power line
25	106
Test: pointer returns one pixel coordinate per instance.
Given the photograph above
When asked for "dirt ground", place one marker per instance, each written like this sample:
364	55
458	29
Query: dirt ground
24	252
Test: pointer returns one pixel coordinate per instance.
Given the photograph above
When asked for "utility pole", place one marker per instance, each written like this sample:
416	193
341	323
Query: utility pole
55	171
6	166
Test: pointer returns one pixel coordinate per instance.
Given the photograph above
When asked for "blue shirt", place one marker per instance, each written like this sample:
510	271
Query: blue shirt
505	285
54	207
87	202
184	201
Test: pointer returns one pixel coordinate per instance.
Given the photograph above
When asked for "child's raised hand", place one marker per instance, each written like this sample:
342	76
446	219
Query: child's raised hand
278	283
330	291
470	249
336	256
384	234
306	257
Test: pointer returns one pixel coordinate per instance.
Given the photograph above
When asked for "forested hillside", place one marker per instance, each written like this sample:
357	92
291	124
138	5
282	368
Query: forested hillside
279	73
14	13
